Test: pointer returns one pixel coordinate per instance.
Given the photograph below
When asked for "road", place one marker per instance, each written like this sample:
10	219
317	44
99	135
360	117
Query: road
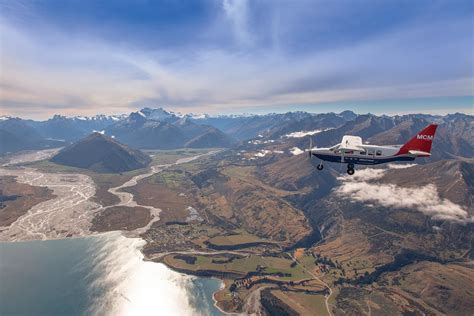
326	298
128	199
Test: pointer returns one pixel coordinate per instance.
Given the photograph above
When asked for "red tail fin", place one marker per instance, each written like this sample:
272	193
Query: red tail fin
421	142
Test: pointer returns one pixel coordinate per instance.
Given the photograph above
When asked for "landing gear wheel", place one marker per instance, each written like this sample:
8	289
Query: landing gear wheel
350	171
320	167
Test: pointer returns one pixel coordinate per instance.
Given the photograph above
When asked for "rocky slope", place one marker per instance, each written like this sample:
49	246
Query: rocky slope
103	154
142	131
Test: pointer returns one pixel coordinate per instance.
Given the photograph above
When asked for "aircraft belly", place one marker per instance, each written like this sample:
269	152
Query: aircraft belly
363	160
331	158
354	160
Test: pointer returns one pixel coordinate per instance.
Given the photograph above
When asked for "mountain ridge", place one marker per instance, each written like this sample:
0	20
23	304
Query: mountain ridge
161	129
102	154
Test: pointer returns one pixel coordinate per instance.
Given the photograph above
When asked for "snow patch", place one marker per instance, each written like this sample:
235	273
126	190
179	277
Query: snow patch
296	151
259	142
305	133
198	116
262	153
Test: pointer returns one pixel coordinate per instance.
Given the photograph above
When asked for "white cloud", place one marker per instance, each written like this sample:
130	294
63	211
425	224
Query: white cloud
401	166
424	199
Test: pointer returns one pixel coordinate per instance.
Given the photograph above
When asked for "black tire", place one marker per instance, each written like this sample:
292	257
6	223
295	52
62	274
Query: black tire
350	171
320	167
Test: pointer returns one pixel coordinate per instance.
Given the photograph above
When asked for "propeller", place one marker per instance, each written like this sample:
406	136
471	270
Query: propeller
310	147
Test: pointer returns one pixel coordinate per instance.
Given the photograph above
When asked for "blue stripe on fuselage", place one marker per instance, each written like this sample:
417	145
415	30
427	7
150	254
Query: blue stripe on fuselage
363	160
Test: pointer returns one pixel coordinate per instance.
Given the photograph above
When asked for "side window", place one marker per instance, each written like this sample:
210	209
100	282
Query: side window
370	152
378	153
362	153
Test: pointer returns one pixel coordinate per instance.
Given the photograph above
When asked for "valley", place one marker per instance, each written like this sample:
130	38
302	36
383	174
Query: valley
281	235
184	230
68	212
358	237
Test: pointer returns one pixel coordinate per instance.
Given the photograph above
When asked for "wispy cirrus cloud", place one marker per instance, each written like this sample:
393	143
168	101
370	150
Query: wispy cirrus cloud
226	56
237	13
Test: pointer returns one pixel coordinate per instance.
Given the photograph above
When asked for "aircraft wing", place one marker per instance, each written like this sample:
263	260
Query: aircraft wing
351	143
351	148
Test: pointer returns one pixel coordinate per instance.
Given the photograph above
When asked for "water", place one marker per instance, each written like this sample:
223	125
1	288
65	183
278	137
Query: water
101	275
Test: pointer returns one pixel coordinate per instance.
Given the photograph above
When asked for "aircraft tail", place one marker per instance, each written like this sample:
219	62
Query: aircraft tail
420	144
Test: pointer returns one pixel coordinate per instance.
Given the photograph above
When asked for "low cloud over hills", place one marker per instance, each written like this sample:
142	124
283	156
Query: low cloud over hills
421	194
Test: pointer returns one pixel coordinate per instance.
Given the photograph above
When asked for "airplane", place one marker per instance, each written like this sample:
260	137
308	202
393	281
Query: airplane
352	151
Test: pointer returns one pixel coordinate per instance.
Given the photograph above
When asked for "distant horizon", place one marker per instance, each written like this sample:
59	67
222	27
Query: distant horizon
442	112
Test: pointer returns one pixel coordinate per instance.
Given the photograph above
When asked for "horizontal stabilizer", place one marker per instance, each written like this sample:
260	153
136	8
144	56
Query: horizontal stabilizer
419	153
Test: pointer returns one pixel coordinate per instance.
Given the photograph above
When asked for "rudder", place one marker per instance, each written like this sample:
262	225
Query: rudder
421	142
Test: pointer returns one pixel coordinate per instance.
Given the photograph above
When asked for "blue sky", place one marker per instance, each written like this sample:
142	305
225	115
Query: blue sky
225	56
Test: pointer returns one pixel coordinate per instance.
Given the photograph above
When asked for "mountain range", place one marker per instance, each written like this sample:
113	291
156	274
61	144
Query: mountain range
161	129
157	129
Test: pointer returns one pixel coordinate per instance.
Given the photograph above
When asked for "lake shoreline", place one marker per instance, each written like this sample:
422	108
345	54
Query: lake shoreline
106	257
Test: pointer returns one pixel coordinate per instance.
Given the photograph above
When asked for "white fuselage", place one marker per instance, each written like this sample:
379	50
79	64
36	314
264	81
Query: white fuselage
364	154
